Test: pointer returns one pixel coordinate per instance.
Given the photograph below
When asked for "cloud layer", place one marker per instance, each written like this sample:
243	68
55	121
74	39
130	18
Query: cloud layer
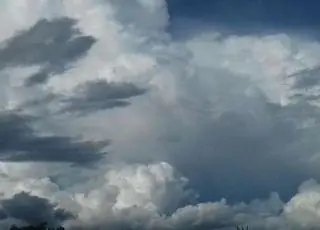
108	120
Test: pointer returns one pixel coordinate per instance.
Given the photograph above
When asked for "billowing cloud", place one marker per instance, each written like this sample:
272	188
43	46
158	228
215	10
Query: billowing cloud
214	130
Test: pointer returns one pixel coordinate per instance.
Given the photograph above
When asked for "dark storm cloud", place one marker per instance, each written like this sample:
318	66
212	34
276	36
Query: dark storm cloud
100	95
33	209
20	143
53	44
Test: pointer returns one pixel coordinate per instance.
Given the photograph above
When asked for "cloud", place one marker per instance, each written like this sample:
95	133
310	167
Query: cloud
209	125
100	95
299	213
130	198
20	143
306	85
131	193
54	44
23	206
306	78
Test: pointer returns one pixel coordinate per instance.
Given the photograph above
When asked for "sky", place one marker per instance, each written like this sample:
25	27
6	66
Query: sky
160	114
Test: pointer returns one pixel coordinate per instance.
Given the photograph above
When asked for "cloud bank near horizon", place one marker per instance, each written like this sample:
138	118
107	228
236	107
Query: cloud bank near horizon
108	121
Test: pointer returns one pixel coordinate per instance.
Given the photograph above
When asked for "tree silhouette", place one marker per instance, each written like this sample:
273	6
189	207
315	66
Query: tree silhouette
41	226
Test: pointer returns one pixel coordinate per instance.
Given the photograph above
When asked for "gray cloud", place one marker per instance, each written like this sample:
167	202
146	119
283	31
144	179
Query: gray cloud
33	210
20	143
306	78
54	44
3	214
306	85
251	141
100	95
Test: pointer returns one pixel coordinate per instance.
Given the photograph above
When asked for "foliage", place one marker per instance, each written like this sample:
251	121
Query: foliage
41	226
